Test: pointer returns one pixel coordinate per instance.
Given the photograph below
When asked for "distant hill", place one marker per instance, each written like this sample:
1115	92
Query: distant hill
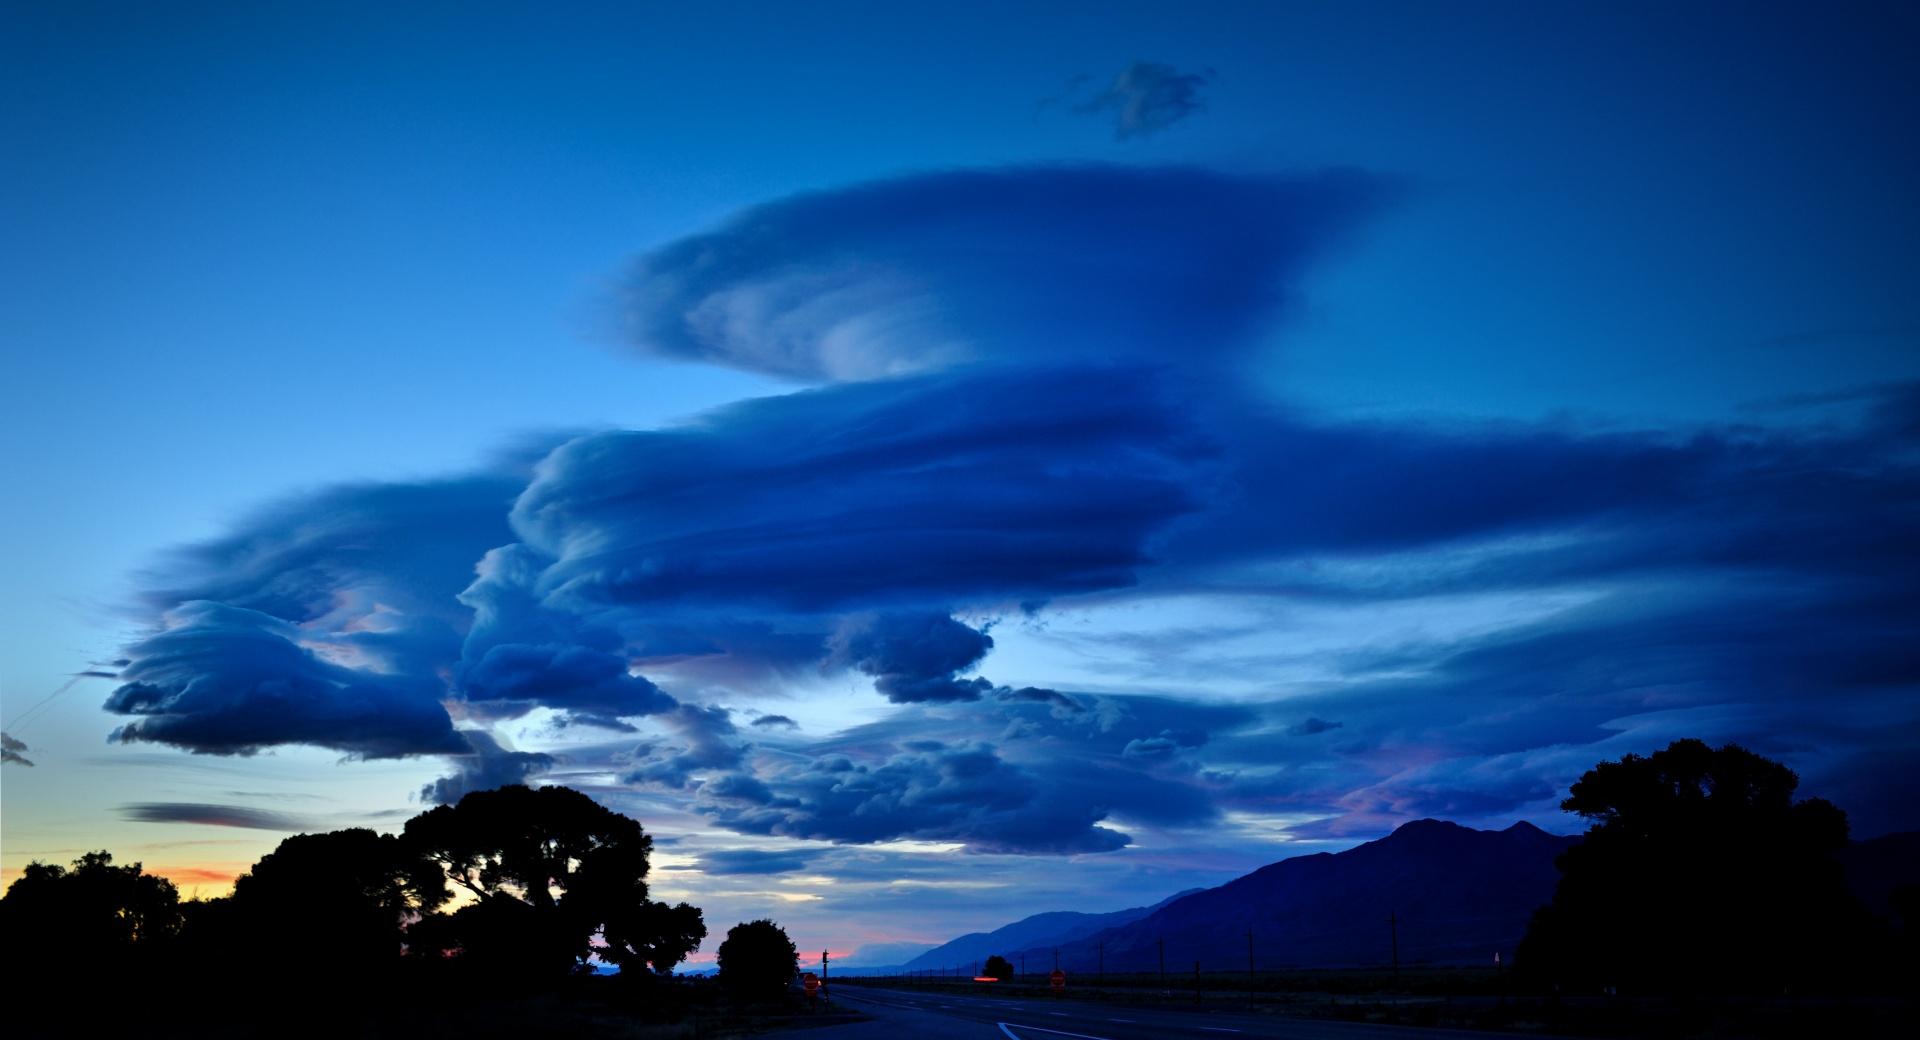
1459	894
881	958
1041	930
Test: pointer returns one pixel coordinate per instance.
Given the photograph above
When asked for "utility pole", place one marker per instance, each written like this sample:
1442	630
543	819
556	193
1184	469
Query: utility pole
823	980
1393	930
1056	958
1023	965
1163	966
1196	982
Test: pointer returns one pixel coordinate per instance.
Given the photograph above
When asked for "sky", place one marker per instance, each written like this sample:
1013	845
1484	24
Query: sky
933	464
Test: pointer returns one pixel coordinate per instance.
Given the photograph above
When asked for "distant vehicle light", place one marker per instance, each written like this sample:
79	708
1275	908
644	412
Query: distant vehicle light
985	978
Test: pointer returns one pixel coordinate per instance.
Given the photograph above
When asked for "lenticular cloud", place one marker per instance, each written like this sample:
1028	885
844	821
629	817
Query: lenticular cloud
1026	400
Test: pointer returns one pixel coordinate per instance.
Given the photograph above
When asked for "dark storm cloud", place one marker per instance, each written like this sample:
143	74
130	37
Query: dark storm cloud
918	492
226	680
212	816
485	766
1031	265
1147	97
775	721
591	686
913	657
1309	726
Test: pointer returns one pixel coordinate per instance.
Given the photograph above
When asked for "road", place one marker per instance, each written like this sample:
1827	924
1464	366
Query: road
944	1016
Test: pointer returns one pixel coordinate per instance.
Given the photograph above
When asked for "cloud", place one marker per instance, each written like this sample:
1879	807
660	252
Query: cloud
10	751
873	496
1027	265
325	618
227	680
1029	407
485	766
913	657
726	862
1147	97
406	545
707	745
213	816
1164	745
965	793
591	686
518	655
773	721
890	781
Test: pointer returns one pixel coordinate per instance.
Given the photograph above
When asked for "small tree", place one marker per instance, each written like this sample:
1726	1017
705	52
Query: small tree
652	935
757	961
998	967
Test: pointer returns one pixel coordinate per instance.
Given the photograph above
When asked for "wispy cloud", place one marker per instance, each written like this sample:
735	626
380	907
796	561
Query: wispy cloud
213	816
1147	97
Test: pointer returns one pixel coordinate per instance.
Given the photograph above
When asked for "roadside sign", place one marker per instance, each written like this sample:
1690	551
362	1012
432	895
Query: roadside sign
1058	980
812	984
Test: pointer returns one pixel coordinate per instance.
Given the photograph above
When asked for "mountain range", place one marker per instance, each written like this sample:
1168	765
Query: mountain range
1457	894
1443	892
1439	892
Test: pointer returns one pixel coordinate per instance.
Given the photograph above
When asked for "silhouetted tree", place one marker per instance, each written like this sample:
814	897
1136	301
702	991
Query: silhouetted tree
547	868
757	961
1699	872
56	919
343	896
652	935
998	967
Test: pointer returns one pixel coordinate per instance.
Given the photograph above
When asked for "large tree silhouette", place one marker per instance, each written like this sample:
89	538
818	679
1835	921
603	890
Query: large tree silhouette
56	919
998	967
1700	872
547	868
345	894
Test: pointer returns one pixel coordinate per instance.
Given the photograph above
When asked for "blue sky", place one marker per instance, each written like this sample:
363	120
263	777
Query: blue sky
1410	409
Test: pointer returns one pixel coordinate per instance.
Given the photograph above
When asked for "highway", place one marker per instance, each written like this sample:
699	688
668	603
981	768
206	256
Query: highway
951	1016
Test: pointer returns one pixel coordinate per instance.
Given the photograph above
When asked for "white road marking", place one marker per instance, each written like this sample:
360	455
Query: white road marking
1004	1028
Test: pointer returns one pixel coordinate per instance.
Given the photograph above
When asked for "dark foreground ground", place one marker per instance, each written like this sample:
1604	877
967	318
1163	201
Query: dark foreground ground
603	1008
933	1010
960	1016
